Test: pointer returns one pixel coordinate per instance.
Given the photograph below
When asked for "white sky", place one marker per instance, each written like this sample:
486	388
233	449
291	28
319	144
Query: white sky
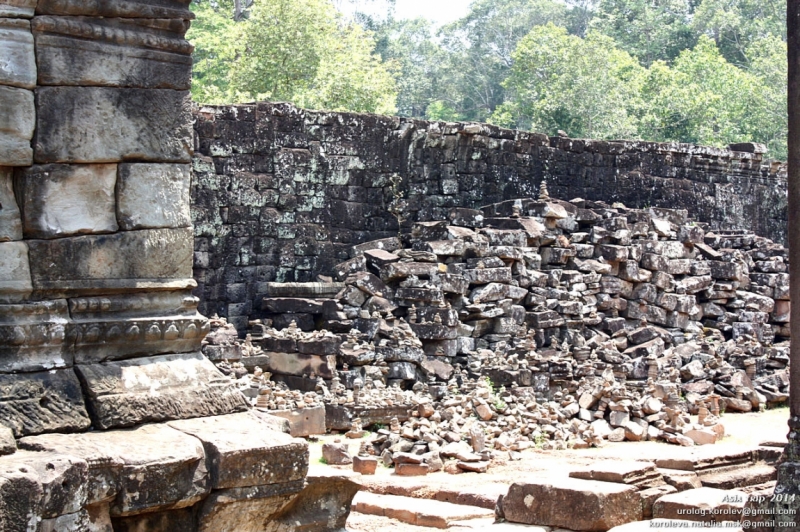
438	11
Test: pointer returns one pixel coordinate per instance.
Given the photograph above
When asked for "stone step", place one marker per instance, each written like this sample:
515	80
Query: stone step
419	512
705	459
303	290
634	473
739	477
483	496
701	504
669	525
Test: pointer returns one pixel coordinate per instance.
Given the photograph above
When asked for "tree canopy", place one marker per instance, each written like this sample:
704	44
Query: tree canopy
700	71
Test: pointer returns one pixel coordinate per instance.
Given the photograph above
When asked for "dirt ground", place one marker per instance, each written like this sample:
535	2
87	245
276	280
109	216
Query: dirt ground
741	430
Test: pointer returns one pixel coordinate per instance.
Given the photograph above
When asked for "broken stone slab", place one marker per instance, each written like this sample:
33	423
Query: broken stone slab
151	468
740	477
640	474
134	53
159	388
705	459
303	422
651	495
572	503
417	511
133	261
340	417
241	450
61	200
10	217
63	478
152	196
16	126
148	125
682	480
336	453
293	305
250	509
19	64
299	364
21	497
701	504
48	401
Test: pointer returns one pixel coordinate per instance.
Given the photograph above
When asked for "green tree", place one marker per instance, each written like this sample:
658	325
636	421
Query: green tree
649	30
767	62
214	36
586	87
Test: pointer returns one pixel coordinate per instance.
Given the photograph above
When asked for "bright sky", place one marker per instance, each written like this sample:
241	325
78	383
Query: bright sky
439	11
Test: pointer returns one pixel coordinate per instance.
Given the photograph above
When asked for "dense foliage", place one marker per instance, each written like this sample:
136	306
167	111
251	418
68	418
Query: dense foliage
700	71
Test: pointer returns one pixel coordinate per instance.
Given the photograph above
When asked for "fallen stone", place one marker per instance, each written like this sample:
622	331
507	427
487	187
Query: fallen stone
577	504
336	454
411	470
303	422
365	465
419	512
160	388
701	504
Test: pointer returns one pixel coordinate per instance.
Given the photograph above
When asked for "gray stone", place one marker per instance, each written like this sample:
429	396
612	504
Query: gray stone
241	450
64	479
74	522
8	445
126	261
32	403
120	53
61	200
32	336
10	219
153	195
18	8
251	509
299	364
148	469
180	520
20	500
162	388
144	124
16	126
18	67
145	9
324	504
15	274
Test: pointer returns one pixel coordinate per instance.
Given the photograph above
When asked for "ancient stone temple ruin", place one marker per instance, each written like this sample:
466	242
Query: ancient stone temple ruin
462	291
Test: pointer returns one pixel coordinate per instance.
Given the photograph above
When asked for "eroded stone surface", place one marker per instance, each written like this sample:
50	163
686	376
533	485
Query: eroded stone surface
32	336
15	274
20	500
161	388
125	261
250	509
572	503
145	124
175	9
17	8
16	126
61	200
151	195
64	479
18	68
242	451
33	403
10	220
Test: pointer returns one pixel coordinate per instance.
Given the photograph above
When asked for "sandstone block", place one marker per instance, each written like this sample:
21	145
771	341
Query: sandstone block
147	469
8	445
160	388
301	364
16	126
153	195
572	503
32	336
145	124
126	261
17	8
10	219
18	68
121	53
701	504
20	500
251	509
15	274
303	422
61	200
365	465
75	522
178	9
64	479
241	450
32	403
180	520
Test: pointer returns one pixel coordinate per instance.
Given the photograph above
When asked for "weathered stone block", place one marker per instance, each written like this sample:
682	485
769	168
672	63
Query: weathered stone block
32	403
75	522
10	220
15	274
121	53
301	364
126	261
61	200
242	451
64	479
144	124
250	509
572	503
32	336
16	126
180	520
303	422
701	504
20	500
178	9
17	8
151	468
161	388
153	195
18	67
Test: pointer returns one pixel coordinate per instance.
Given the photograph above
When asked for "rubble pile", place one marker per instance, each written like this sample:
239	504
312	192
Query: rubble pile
597	322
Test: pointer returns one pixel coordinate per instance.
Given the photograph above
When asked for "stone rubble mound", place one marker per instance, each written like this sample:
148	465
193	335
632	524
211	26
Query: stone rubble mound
535	323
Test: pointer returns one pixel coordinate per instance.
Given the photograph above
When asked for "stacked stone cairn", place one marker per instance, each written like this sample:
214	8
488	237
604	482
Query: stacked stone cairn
538	323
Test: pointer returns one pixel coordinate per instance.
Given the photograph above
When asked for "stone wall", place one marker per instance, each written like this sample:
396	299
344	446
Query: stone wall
282	194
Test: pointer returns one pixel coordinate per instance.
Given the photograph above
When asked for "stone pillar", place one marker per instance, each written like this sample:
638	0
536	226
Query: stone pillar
787	491
97	321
